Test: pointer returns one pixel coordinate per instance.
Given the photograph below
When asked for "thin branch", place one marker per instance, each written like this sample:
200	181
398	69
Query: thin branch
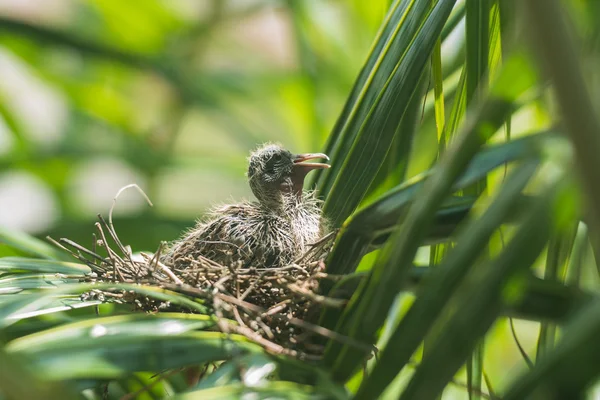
82	249
75	255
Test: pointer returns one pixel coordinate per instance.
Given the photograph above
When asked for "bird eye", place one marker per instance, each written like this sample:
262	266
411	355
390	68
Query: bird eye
270	167
273	161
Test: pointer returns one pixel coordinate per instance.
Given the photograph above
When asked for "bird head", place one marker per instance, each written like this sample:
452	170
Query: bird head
275	174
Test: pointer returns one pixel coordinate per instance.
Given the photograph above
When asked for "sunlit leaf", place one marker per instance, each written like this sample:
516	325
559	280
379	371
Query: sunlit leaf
30	245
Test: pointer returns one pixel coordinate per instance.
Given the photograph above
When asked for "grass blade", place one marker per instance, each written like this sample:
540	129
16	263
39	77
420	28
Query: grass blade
552	40
31	245
114	356
472	319
337	143
30	305
272	390
571	367
375	126
377	220
478	29
442	284
368	309
21	264
557	258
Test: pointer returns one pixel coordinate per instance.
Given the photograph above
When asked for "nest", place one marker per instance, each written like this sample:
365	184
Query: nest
270	306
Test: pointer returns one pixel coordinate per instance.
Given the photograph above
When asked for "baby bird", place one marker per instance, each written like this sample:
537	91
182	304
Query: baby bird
269	233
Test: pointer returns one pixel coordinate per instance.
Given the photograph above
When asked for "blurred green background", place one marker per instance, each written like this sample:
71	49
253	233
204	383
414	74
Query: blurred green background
168	94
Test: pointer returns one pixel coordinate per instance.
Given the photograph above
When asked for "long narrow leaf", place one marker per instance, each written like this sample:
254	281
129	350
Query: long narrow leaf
471	319
30	245
120	325
570	368
395	165
338	143
16	264
16	284
97	355
272	390
442	285
376	126
368	309
477	59
377	220
30	305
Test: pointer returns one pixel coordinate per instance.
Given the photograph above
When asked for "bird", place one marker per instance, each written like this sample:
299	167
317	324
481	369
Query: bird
270	232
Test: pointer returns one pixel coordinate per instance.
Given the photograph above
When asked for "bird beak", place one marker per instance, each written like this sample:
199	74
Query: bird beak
300	164
301	168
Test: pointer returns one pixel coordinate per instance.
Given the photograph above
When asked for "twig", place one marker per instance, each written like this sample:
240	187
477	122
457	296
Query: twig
109	252
278	308
132	185
112	235
252	286
265	328
111	227
317	298
170	273
75	255
82	249
157	255
298	322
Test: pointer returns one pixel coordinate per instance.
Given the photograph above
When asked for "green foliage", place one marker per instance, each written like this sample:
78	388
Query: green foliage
418	160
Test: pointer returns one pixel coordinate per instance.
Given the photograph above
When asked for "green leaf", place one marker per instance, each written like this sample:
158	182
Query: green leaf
438	88
372	124
541	301
442	284
377	220
18	283
368	309
477	61
31	245
478	33
558	56
18	307
22	306
545	301
492	287
338	142
395	165
571	367
95	356
121	325
21	264
15	127
557	258
272	390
